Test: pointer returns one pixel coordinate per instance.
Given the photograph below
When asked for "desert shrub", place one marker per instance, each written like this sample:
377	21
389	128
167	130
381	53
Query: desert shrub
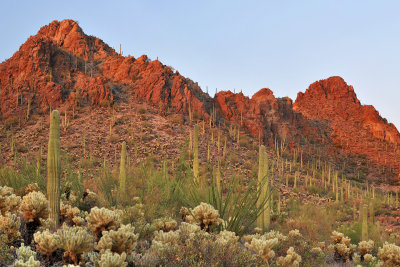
5	252
390	255
199	249
204	215
9	202
263	247
75	241
343	250
9	227
122	240
34	206
29	263
166	224
102	219
46	243
110	259
292	259
24	253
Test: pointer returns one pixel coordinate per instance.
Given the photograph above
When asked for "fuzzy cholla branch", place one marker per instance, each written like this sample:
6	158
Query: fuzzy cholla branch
9	202
389	254
25	253
103	219
263	247
110	259
75	241
292	259
205	216
9	227
46	242
30	263
122	240
34	206
365	247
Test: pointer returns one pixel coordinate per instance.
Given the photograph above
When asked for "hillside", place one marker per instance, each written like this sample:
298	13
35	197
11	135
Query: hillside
62	67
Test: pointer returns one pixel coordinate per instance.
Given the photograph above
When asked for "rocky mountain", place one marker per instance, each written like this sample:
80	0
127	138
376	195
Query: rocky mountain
356	128
62	67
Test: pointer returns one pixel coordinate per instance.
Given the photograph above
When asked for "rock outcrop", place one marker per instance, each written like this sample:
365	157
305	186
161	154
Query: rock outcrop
61	66
356	128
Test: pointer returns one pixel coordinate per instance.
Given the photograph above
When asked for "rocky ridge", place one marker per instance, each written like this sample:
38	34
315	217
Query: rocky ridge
62	67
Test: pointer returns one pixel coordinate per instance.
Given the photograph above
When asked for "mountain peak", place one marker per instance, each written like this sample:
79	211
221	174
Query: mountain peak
334	88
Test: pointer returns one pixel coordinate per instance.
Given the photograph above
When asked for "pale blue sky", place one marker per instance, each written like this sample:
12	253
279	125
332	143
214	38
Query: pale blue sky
247	45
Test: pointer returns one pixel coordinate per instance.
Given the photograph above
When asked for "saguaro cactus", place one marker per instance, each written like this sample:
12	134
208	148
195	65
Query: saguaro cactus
263	219
54	167
364	224
196	153
122	170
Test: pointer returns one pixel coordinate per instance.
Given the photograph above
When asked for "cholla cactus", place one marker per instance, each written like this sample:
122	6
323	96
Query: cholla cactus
294	233
165	224
30	263
71	215
162	239
292	259
75	241
133	213
342	247
365	247
30	188
34	206
9	202
390	255
369	258
226	237
317	251
187	229
9	227
122	240
206	215
24	253
46	242
110	259
103	219
263	247
275	234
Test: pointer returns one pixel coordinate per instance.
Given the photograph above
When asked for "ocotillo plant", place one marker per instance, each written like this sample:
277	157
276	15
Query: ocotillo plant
196	153
122	170
54	167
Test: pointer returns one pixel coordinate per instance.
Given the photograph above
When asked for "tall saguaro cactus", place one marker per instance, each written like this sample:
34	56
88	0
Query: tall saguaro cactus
263	219
196	153
122	170
54	167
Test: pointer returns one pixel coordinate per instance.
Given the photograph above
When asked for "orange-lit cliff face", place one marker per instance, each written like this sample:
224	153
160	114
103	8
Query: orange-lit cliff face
61	66
357	128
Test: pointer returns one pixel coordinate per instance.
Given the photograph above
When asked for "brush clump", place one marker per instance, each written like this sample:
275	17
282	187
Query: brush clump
123	240
9	227
292	259
102	219
46	242
75	241
9	202
389	254
34	206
